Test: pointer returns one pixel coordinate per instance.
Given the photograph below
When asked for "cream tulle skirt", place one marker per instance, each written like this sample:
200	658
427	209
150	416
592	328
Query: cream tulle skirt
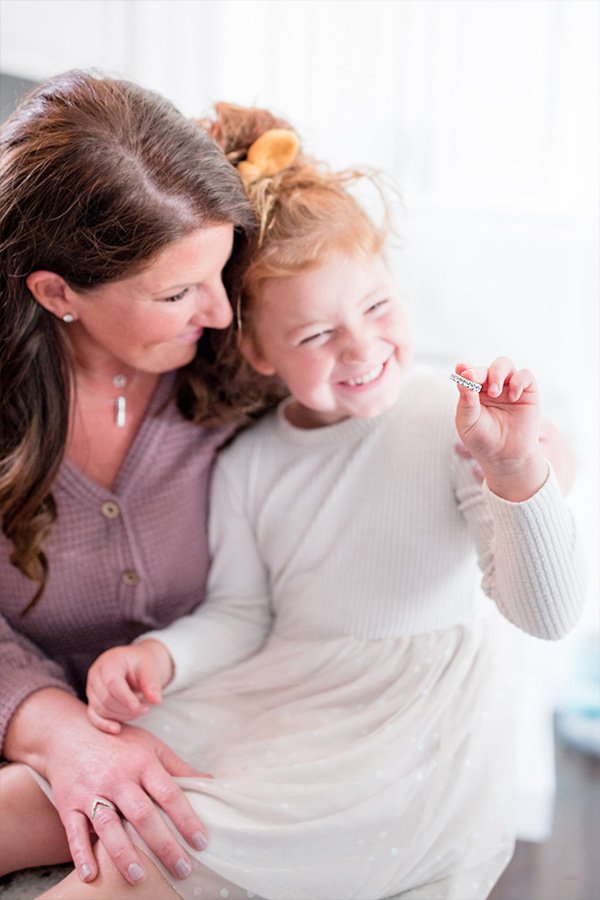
347	769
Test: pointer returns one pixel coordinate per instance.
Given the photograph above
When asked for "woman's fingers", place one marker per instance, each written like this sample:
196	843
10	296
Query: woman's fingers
109	828
174	803
140	810
134	771
77	830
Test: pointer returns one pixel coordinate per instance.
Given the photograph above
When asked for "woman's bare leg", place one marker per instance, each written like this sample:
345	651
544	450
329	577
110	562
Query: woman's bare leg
110	884
31	833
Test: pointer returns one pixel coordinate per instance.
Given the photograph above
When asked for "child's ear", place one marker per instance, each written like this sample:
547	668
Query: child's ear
252	354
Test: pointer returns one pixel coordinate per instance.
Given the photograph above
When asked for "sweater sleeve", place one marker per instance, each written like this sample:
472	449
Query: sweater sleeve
529	554
23	670
235	618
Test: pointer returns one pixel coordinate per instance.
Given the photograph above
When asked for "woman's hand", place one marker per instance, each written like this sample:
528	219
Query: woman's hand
500	427
133	770
123	680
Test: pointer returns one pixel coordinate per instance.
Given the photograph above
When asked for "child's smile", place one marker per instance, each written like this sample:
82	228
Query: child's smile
369	379
365	379
336	335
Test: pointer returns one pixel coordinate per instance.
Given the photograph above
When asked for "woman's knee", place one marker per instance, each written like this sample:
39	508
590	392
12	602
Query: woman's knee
110	884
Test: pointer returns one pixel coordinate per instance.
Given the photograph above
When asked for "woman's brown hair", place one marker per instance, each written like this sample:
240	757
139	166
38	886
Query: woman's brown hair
97	176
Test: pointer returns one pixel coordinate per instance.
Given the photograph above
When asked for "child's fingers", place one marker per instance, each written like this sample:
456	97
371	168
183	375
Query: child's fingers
468	409
122	695
111	709
110	726
500	370
473	373
474	378
148	687
519	382
114	697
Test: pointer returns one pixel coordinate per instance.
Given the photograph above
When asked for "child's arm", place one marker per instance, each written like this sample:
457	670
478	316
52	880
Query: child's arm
500	427
526	538
124	680
229	626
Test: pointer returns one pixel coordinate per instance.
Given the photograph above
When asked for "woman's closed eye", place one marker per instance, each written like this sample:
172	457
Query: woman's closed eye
176	297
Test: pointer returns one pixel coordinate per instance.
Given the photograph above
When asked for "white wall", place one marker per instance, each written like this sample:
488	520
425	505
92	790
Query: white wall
485	112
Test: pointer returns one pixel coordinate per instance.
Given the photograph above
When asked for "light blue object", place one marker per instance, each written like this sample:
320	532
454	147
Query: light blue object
578	716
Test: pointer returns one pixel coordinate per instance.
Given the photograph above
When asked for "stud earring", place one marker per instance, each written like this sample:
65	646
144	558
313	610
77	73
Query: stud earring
68	317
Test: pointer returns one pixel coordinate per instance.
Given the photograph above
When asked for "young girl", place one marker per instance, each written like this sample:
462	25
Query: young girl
343	683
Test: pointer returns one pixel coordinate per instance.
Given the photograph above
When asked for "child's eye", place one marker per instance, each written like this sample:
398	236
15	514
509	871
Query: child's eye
319	338
377	305
176	297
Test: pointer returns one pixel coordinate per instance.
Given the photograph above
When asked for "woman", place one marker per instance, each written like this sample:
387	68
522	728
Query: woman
118	218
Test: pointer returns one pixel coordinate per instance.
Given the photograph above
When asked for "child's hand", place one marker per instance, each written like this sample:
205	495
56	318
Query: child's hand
500	427
123	680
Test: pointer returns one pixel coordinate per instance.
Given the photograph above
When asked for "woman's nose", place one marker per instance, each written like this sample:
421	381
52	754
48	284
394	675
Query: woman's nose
215	311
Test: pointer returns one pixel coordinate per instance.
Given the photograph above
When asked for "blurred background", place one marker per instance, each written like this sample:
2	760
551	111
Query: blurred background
485	114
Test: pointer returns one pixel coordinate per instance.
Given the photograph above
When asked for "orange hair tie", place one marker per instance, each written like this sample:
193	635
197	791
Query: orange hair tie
271	153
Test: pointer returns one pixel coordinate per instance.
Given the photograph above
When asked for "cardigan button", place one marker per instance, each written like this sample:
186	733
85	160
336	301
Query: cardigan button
110	510
130	577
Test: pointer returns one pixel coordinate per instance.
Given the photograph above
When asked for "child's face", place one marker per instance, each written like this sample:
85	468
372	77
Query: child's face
337	336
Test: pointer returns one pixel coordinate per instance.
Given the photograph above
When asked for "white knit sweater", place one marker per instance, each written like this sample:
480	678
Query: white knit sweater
370	528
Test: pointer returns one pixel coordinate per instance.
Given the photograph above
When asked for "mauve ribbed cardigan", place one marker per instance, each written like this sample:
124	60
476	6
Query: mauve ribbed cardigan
122	561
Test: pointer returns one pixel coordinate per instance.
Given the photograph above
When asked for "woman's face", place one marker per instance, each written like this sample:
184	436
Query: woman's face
152	321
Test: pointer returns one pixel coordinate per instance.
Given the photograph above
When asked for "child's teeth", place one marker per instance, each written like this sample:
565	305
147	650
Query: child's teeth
365	379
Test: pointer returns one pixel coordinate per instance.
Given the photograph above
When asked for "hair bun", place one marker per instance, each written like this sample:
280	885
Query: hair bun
270	153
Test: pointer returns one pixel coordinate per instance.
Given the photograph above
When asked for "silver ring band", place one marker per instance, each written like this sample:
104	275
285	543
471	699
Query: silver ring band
471	385
100	802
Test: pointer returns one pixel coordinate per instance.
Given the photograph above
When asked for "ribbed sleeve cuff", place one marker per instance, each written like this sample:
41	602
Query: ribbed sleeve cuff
541	588
172	641
186	651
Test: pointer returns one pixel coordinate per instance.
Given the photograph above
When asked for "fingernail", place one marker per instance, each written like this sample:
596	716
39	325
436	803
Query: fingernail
199	841
85	872
183	868
493	389
135	872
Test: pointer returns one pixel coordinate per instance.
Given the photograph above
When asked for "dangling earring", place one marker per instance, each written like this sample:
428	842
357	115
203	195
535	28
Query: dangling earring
238	314
68	318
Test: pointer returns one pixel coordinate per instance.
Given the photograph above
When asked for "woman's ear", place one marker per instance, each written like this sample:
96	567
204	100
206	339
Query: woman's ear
52	292
252	354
